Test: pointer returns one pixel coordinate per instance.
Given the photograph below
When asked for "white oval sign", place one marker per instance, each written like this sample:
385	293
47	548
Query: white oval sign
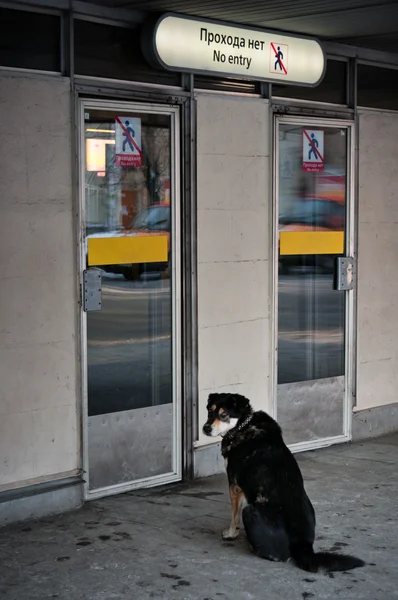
202	46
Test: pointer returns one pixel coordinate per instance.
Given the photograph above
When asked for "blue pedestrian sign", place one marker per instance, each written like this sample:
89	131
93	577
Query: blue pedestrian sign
278	63
128	142
313	151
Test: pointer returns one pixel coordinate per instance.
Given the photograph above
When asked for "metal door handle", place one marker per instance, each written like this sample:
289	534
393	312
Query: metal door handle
92	290
344	273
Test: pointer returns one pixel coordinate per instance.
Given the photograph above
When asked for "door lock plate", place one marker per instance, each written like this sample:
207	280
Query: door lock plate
92	290
344	273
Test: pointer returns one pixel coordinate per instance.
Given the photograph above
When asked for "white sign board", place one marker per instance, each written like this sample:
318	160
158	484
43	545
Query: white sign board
202	46
128	142
313	151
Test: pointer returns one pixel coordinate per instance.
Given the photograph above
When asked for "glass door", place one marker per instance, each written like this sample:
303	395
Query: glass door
130	291
313	198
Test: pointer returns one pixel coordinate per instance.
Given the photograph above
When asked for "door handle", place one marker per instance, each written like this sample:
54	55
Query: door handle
344	273
92	290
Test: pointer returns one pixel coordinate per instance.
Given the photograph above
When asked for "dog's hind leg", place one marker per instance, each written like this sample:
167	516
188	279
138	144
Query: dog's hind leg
266	531
236	496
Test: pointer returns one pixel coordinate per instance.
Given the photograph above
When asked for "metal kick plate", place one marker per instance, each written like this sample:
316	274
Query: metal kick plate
345	272
130	444
92	290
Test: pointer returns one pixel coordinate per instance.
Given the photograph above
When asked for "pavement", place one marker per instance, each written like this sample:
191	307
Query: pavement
166	543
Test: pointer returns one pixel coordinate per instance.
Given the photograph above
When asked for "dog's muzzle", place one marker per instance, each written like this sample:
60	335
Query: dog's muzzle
207	429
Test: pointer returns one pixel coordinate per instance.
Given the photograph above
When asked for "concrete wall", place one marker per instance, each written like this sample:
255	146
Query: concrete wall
377	368
233	249
38	419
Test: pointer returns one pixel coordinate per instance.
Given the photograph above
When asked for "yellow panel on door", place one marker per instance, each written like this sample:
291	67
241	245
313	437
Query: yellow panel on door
311	242
127	250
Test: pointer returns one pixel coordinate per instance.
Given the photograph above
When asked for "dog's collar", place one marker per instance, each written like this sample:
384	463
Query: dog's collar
232	432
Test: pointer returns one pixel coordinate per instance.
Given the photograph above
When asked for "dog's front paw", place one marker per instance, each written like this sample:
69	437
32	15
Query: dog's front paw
230	534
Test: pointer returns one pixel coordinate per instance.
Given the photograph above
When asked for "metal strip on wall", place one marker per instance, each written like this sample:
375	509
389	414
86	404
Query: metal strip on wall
189	279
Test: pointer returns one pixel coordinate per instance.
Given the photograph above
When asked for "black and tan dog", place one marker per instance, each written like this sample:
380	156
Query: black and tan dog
278	518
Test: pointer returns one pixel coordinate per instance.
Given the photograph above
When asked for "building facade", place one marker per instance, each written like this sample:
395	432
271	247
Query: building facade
168	234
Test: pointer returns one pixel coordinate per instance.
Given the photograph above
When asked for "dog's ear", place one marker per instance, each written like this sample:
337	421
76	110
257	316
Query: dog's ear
211	399
240	401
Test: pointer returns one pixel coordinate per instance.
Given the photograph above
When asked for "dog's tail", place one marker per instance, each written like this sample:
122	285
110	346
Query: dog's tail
316	562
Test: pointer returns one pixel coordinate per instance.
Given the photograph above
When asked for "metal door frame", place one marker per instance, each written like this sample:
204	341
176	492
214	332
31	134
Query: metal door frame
350	296
177	458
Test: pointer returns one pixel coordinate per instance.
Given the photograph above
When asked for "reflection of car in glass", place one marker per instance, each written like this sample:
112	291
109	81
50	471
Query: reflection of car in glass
152	221
315	215
312	214
156	217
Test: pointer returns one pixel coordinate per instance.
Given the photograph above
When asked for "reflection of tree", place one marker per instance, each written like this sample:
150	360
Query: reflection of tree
156	160
329	183
155	165
143	186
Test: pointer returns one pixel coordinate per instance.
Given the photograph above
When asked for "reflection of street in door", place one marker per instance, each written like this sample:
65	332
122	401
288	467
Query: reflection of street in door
311	341
129	358
312	221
